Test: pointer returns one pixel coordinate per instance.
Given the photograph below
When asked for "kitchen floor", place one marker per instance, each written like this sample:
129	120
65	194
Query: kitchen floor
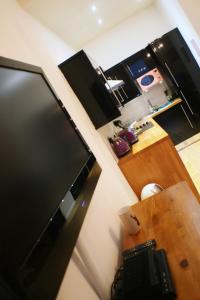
189	152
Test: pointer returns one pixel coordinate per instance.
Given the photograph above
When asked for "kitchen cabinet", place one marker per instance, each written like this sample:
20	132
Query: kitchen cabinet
129	91
175	58
90	88
129	70
139	63
178	122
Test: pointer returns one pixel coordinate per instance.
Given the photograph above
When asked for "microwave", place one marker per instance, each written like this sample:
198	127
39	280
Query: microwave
149	79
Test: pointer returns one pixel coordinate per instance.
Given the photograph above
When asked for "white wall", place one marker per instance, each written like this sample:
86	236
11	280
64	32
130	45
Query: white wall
192	9
24	39
173	13
127	38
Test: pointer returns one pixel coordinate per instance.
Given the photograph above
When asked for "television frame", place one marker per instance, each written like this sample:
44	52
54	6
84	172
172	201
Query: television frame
48	283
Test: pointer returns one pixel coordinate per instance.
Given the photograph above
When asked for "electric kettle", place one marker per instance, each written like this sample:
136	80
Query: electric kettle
125	133
119	145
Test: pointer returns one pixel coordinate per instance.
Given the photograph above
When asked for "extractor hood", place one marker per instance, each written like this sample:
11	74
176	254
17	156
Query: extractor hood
113	85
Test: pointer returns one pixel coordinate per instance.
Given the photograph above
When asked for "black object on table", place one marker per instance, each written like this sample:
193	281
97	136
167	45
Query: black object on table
144	275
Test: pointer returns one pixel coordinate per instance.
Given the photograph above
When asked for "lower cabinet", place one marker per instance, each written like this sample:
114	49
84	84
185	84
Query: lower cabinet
159	163
179	123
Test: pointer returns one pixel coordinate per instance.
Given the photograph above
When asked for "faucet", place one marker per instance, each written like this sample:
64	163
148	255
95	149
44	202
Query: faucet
151	107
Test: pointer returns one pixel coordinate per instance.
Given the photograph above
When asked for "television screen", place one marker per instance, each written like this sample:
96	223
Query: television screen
41	155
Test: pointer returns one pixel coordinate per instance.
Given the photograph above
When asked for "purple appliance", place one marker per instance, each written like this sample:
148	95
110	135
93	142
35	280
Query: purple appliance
119	145
126	134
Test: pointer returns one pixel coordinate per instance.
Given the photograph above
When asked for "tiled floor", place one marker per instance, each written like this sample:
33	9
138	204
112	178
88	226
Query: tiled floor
189	152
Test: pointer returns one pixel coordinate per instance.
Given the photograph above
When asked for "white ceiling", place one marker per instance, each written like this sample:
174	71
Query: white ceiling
74	20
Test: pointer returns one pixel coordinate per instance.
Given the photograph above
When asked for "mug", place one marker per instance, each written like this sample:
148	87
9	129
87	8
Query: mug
129	220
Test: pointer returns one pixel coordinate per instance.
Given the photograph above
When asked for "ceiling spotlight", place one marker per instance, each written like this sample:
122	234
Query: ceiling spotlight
93	8
160	45
100	21
148	54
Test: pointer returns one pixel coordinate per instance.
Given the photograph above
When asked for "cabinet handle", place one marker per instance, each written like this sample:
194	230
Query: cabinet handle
122	90
168	68
130	71
120	95
187	117
115	95
187	102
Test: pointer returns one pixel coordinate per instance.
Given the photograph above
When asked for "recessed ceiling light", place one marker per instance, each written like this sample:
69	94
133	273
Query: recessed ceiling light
99	21
93	8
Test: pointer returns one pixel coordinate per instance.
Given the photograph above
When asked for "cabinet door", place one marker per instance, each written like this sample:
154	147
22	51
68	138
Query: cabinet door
90	89
172	52
140	63
178	123
129	91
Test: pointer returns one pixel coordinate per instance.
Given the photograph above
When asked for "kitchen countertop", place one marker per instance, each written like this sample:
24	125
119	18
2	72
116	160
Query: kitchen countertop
166	107
153	134
149	137
154	159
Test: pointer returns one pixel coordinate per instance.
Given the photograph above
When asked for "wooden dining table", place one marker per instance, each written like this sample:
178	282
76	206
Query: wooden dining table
172	218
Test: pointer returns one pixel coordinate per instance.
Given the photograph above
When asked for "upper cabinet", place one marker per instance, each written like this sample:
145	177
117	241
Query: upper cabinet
129	70
139	63
167	59
99	103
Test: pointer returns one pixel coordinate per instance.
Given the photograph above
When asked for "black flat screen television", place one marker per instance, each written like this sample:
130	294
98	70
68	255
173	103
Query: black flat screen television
41	155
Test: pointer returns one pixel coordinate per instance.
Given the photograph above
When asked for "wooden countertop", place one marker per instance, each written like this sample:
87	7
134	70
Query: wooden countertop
154	134
172	217
154	159
170	105
149	137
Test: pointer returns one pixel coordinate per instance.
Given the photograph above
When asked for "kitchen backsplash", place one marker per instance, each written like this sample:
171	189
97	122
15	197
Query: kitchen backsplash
139	107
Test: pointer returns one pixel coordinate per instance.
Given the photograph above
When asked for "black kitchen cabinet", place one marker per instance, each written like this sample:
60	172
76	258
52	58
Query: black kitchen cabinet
139	63
90	89
178	122
174	56
129	70
120	72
